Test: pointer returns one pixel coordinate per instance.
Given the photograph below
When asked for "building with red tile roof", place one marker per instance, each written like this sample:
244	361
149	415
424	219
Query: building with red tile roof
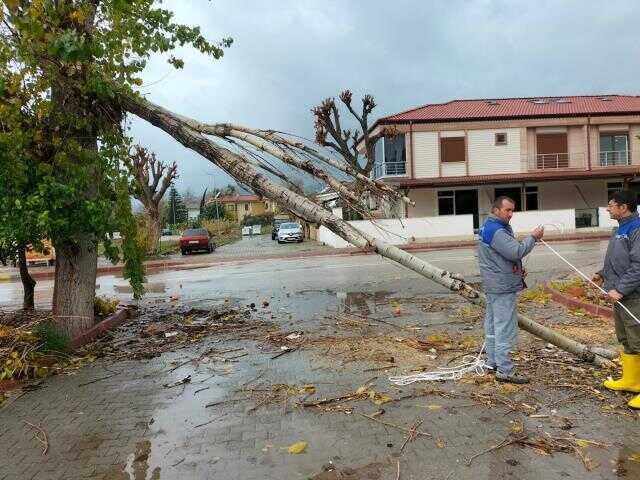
548	153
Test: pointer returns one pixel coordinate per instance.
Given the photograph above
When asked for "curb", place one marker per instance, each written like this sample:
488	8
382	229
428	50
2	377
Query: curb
182	265
604	312
100	328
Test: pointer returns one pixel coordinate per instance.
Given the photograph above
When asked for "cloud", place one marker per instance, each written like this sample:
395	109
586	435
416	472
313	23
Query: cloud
288	56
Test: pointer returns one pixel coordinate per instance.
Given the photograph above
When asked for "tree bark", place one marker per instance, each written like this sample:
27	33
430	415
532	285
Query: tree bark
75	286
28	283
178	127
153	230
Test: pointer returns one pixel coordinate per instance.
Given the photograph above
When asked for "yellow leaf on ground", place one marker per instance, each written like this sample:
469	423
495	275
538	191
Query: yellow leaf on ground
440	443
635	457
297	448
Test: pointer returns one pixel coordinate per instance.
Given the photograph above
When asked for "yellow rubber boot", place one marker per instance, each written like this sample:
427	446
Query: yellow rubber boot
630	381
634	402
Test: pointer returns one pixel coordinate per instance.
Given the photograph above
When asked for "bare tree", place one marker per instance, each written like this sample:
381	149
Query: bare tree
152	179
330	133
195	135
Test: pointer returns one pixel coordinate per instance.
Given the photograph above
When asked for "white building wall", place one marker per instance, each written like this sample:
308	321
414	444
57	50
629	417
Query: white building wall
556	221
426	151
408	230
486	158
454	169
426	203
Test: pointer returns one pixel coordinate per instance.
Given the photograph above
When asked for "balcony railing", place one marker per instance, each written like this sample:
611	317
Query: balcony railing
389	169
619	157
555	161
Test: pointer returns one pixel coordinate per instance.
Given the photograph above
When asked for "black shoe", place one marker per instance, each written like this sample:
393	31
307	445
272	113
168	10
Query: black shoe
512	377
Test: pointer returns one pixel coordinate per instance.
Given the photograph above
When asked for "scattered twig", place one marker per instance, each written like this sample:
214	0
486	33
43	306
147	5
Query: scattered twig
398	472
178	462
284	352
97	380
185	380
41	435
200	390
505	443
412	434
222	402
388	424
205	423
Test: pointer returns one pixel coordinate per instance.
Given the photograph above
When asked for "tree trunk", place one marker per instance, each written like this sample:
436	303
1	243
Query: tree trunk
75	286
153	230
28	283
180	128
76	260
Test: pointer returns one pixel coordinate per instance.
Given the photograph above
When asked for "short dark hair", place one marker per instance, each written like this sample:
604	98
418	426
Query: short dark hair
497	203
626	197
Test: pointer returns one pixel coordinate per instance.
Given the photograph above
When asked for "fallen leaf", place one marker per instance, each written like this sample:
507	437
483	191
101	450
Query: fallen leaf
634	457
298	447
440	443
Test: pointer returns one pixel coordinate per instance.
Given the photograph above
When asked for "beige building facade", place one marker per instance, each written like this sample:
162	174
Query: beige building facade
547	153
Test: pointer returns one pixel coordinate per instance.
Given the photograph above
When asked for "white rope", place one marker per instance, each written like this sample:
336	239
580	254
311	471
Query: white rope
469	364
476	364
602	290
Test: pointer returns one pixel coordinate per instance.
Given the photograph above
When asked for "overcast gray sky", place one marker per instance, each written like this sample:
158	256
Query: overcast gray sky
288	55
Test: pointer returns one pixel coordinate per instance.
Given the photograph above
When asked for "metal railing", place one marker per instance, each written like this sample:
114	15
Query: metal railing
555	161
389	169
619	157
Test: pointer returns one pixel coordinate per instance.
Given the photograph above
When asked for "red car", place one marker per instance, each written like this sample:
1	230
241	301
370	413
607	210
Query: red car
196	239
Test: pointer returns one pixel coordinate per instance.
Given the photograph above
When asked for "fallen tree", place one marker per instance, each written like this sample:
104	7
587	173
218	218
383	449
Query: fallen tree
194	135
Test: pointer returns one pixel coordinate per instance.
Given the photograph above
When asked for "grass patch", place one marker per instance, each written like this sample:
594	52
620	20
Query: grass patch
535	295
51	339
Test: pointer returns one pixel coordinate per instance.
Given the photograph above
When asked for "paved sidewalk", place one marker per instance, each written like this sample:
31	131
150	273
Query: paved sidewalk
127	425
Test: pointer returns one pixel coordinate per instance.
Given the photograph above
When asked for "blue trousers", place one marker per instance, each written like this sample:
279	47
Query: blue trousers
501	329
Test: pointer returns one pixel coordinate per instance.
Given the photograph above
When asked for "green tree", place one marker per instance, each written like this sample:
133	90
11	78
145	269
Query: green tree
72	59
175	210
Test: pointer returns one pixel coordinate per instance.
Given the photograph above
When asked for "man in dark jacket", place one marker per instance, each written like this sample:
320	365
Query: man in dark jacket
500	257
620	277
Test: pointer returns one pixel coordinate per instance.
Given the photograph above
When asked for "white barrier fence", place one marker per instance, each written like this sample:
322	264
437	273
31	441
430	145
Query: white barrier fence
407	230
604	221
524	222
460	227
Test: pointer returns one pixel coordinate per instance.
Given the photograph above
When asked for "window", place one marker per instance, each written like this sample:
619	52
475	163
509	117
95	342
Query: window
452	149
446	203
613	187
501	138
614	149
531	198
512	192
390	156
459	202
246	207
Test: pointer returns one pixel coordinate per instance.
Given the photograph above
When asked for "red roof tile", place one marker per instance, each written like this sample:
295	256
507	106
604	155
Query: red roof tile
494	109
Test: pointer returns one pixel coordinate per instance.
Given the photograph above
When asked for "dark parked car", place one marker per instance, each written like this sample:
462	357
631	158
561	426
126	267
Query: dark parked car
195	239
165	232
276	225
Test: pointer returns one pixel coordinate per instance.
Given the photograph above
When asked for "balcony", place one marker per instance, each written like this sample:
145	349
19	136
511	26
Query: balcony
389	169
555	161
615	158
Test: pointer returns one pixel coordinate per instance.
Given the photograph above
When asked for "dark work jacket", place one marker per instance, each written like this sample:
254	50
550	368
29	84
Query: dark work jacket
621	269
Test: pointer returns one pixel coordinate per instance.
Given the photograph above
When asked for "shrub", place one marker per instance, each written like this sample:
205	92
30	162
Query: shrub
52	340
262	219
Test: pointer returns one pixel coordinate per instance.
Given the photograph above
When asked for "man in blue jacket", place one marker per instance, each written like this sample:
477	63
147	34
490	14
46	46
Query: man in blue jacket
500	257
620	277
